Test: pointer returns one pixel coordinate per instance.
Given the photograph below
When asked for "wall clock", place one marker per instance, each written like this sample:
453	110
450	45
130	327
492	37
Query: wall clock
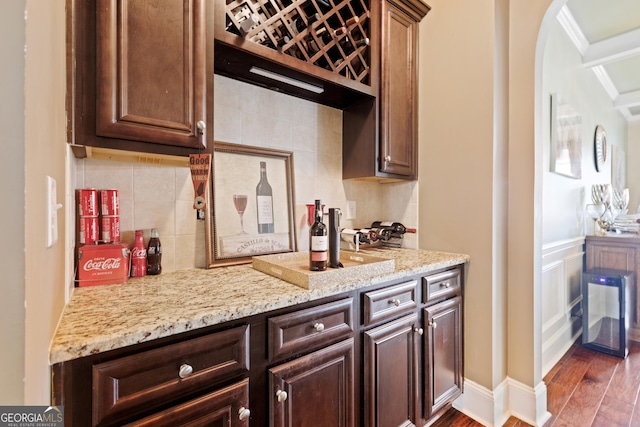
600	148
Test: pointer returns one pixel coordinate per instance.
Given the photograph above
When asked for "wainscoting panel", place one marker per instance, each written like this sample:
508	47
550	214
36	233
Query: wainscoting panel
561	298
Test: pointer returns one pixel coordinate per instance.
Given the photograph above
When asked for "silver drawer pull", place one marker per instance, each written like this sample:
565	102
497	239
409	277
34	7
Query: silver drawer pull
281	395
319	327
445	285
395	302
419	331
243	413
433	324
185	370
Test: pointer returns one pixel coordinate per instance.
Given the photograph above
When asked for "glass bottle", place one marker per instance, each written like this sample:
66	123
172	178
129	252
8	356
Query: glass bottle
154	253
318	242
139	256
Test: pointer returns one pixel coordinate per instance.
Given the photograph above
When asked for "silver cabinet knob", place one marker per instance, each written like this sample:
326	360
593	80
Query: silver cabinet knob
319	327
419	331
281	395
395	302
185	370
433	324
445	285
388	158
243	413
201	125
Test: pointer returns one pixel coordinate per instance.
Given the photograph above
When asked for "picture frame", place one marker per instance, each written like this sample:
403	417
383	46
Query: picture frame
244	220
566	139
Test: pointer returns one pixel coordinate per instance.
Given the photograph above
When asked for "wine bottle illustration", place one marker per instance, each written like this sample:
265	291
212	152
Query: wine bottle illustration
264	202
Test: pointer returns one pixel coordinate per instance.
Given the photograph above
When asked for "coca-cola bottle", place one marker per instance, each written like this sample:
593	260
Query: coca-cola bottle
139	256
154	253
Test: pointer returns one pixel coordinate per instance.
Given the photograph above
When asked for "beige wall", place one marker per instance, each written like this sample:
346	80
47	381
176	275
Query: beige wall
45	152
12	258
475	113
457	158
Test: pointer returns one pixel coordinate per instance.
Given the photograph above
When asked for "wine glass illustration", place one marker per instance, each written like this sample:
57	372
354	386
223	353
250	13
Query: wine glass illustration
240	202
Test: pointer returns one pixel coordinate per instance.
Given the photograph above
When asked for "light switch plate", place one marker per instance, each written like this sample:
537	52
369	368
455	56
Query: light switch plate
52	212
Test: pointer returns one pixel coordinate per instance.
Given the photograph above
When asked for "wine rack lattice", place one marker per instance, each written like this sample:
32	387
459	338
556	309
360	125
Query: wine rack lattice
332	34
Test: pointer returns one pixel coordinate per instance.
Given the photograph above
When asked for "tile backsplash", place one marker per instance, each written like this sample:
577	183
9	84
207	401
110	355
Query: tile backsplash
162	196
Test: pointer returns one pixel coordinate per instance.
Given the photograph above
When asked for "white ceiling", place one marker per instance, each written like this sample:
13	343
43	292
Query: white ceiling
607	33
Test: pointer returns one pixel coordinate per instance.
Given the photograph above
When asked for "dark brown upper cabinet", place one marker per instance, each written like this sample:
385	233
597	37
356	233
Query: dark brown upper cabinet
140	75
380	137
325	51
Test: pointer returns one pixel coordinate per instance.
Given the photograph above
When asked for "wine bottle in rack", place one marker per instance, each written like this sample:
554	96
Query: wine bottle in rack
395	227
324	4
248	24
318	241
352	21
264	202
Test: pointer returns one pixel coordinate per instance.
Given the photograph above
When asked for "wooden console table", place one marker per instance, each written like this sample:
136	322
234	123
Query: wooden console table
619	252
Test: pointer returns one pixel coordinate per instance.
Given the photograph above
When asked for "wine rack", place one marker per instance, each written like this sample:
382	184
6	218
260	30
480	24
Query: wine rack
331	34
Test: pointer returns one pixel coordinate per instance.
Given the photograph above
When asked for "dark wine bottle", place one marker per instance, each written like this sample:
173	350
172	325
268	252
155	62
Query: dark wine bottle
318	242
395	227
264	202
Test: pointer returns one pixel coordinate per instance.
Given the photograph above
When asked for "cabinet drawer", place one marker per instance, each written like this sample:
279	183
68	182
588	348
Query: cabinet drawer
441	285
220	407
310	328
129	385
389	302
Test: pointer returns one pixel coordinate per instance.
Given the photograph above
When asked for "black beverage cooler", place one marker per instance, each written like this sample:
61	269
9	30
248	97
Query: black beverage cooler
606	310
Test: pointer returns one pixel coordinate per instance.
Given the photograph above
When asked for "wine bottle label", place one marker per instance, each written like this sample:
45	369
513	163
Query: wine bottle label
320	243
386	224
319	256
265	209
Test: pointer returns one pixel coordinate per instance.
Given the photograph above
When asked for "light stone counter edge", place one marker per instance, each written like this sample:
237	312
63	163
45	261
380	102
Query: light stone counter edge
103	318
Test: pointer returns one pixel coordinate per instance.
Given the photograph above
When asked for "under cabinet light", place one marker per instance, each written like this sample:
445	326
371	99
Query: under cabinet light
287	80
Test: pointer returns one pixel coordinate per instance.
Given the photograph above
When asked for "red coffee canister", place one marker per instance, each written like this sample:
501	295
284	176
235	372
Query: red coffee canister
110	228
88	230
110	202
87	202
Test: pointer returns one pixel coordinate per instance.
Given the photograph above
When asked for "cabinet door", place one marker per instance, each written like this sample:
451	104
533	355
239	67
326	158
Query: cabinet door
151	71
442	354
391	373
316	390
398	95
227	407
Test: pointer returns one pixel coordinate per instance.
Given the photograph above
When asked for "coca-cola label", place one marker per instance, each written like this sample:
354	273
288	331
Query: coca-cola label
102	264
138	253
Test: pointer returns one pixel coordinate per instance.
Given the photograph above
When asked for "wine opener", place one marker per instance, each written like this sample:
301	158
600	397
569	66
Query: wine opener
334	238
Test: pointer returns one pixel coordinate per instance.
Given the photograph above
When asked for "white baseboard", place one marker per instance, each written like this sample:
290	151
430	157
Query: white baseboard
510	397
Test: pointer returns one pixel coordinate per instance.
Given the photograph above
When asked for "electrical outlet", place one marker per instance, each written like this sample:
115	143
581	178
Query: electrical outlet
351	209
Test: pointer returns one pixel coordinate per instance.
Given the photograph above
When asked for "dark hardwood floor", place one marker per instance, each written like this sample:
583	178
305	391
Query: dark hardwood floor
585	388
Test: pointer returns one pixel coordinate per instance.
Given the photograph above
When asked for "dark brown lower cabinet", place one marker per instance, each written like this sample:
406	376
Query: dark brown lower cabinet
227	407
391	373
442	354
316	390
385	356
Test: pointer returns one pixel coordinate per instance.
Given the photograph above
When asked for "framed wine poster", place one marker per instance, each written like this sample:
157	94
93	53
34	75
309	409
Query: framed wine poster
253	208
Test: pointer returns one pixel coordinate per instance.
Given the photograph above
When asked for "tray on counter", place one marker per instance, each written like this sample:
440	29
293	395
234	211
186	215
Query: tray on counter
293	267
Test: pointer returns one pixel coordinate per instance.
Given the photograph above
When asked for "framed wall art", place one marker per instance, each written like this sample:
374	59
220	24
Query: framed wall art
253	204
566	139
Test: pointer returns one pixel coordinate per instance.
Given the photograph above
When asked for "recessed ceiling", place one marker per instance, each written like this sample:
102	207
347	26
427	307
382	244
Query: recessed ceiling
607	33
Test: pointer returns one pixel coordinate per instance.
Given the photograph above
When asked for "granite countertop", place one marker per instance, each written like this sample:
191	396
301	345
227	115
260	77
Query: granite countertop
102	318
